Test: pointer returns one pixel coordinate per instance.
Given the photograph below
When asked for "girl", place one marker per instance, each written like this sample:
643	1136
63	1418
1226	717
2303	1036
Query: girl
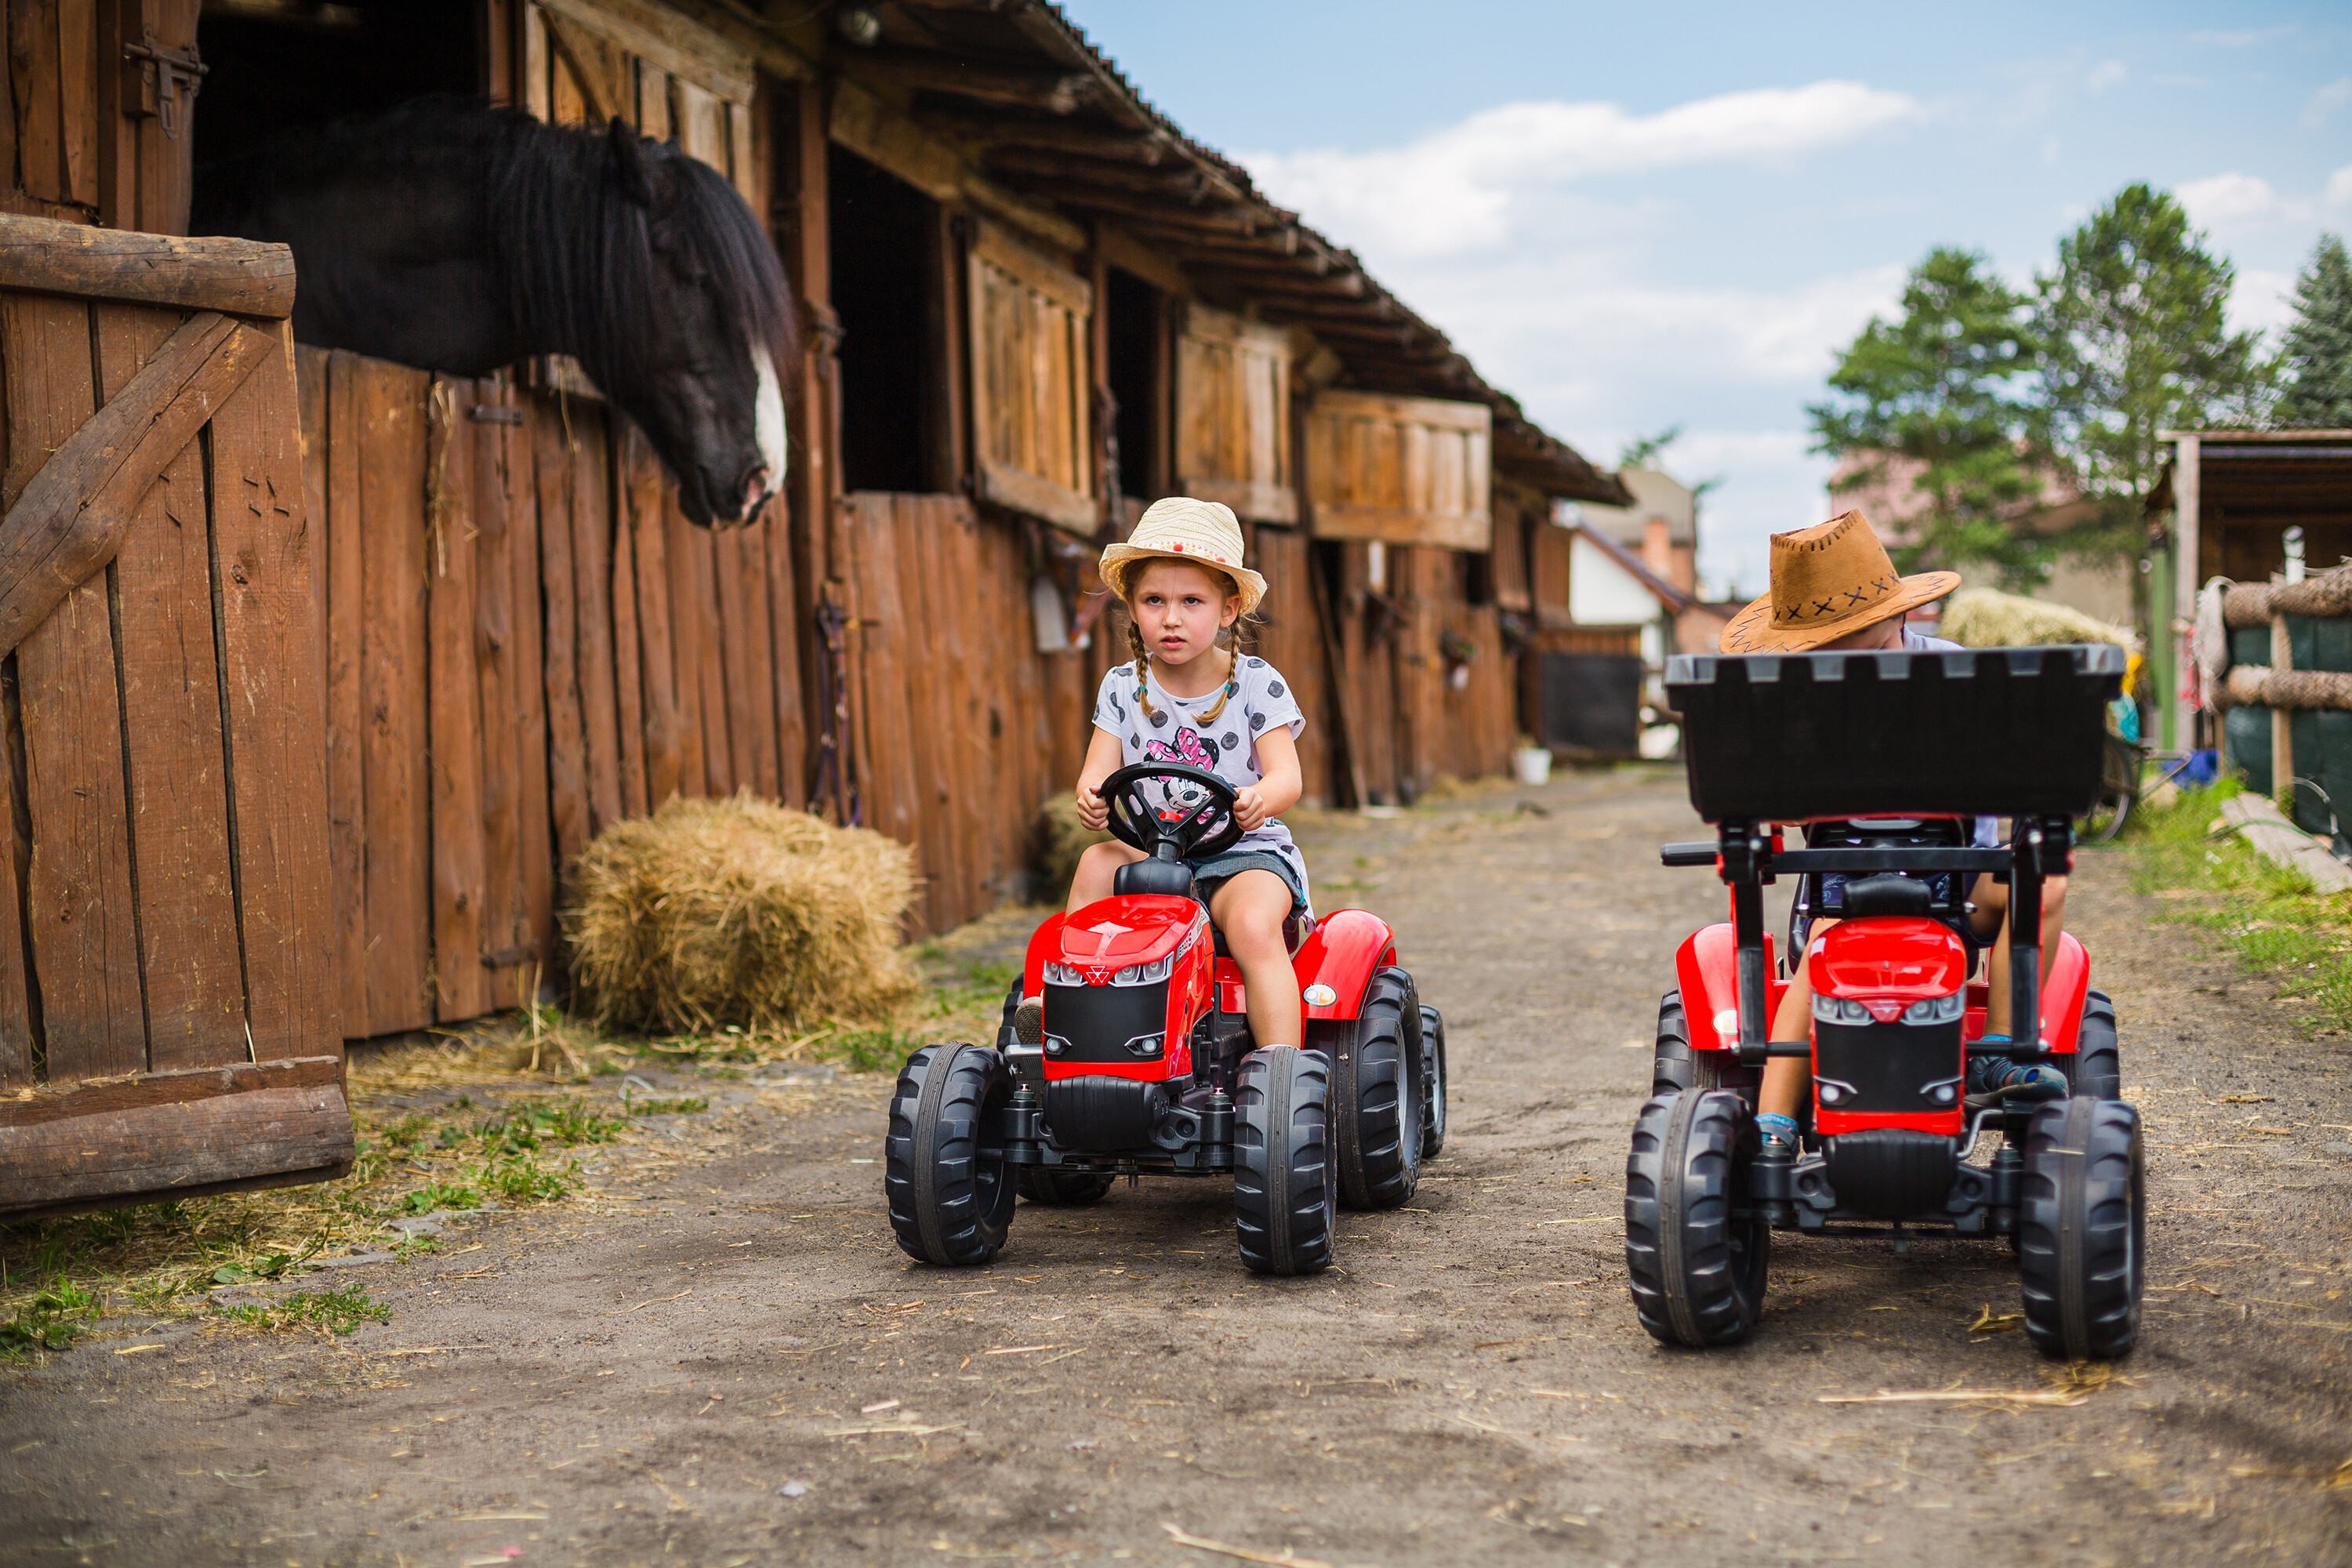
1192	695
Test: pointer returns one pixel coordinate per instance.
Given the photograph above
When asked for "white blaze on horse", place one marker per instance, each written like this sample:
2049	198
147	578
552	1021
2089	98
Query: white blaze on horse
458	238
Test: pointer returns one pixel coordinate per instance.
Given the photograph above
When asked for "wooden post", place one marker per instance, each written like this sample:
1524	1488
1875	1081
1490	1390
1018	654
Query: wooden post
2282	724
2186	581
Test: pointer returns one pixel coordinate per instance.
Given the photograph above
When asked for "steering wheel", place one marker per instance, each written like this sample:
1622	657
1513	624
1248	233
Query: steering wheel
1174	830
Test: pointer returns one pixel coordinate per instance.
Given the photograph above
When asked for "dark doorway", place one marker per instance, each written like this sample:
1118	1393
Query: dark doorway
1592	703
277	67
889	288
1134	320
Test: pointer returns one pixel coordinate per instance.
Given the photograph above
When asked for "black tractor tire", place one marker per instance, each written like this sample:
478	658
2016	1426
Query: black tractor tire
1286	1191
1433	1083
2097	1068
949	1190
1004	1036
2080	1249
1049	1188
1698	1272
1376	1096
1676	1066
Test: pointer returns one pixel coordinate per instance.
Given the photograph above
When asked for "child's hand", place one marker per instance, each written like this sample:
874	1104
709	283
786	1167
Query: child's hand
1091	809
1249	808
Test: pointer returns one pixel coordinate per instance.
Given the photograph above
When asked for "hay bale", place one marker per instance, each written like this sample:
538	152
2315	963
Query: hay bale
1061	839
1982	617
718	912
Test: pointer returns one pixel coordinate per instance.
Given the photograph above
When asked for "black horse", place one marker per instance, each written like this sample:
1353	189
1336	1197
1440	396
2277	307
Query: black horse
458	238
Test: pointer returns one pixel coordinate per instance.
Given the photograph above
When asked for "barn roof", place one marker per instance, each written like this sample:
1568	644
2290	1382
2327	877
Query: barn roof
1050	116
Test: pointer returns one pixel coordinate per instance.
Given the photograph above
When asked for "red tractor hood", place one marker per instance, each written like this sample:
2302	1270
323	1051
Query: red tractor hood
1904	959
1111	934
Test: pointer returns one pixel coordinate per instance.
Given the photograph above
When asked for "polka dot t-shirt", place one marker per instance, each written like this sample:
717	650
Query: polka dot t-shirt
1225	746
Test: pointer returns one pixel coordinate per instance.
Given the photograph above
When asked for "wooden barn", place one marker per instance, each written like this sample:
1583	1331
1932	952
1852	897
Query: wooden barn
1030	305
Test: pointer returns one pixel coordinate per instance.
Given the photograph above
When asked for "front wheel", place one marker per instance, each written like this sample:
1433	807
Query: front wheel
1696	1267
2081	1253
1376	1085
2097	1069
949	1190
1285	1190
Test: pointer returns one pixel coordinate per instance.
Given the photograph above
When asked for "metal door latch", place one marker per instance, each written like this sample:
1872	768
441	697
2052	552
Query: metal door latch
164	74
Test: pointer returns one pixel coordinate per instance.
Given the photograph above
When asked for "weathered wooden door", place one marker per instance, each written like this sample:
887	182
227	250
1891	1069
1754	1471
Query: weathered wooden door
167	1019
1233	425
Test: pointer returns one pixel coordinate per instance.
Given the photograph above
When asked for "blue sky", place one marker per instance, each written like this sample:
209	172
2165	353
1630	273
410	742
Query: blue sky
1635	216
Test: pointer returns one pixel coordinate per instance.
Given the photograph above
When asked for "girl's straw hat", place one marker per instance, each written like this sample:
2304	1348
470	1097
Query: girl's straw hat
1179	528
1828	581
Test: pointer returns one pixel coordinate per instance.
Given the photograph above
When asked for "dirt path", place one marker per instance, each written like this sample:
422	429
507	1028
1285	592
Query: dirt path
729	1363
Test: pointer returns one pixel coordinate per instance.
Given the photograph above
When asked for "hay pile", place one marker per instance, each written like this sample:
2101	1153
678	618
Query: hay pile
1981	618
1061	839
719	912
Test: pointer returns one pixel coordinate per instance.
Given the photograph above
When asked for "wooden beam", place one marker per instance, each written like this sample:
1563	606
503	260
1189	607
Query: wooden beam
1055	93
1164	215
1300	284
1264	243
1054	174
243	276
1054	135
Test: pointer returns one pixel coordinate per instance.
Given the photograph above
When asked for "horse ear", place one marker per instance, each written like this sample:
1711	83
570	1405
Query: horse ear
628	157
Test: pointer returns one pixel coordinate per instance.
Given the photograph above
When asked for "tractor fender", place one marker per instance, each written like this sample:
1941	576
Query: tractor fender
2063	988
1343	952
1707	968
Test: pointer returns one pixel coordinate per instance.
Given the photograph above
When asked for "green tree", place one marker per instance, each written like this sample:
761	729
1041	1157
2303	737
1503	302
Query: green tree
1943	390
2134	342
2319	349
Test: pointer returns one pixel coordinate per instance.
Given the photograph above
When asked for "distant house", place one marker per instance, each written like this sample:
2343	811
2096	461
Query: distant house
1661	530
1883	486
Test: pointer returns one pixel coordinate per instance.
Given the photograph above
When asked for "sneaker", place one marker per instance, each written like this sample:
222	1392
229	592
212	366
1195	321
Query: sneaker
1779	1134
1992	1078
1029	1021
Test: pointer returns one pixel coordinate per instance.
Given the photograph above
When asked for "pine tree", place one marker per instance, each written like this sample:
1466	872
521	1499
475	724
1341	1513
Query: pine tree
1945	386
2318	350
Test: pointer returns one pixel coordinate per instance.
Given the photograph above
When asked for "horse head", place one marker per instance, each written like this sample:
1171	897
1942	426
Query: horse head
695	326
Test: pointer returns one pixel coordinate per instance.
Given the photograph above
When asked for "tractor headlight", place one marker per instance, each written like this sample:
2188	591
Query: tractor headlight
1935	1009
1840	1010
1146	1046
1061	975
1150	973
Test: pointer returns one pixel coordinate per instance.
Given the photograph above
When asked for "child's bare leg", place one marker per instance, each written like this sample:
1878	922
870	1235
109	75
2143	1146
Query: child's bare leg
1785	1077
1097	866
2053	923
1250	909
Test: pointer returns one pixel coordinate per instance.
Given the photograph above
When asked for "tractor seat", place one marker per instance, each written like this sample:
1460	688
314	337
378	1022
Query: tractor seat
1172	879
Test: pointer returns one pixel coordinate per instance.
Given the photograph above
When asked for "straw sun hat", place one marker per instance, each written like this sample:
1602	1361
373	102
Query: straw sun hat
1828	581
1179	527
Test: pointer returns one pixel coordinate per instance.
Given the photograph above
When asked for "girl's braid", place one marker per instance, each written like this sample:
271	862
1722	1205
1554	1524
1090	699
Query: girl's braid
1142	667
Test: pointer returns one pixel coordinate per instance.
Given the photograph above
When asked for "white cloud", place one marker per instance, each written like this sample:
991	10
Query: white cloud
1452	191
2105	74
2245	40
2339	187
2326	101
2239	201
2261	300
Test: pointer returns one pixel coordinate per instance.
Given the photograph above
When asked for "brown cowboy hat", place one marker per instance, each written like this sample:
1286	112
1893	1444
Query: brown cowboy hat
1828	581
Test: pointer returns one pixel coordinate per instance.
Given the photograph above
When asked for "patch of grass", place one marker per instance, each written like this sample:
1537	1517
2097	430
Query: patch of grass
324	1312
2270	916
50	1321
438	1195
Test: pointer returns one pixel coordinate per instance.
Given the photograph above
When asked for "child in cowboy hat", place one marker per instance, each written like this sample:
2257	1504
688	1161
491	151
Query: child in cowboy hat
1834	590
1191	695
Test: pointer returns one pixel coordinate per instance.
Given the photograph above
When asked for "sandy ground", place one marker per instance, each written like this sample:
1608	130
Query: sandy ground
726	1361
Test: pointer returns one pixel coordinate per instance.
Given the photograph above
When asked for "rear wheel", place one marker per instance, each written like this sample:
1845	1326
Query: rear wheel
1053	1189
1676	1066
1284	1191
1696	1269
2097	1069
1433	1083
950	1190
2080	1252
1376	1094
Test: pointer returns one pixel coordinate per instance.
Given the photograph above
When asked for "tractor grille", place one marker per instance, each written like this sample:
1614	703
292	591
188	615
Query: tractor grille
1887	1068
1095	1023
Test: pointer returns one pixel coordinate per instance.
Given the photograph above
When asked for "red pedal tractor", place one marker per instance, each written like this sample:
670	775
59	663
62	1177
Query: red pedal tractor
1887	755
1142	1060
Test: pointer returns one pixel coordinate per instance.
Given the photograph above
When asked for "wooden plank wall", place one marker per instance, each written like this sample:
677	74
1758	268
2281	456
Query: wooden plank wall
526	641
162	900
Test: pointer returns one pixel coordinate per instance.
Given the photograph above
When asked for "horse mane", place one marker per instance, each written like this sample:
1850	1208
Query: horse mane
574	252
577	252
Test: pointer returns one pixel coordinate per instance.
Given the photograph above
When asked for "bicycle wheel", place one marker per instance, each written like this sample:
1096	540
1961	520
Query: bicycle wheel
2118	792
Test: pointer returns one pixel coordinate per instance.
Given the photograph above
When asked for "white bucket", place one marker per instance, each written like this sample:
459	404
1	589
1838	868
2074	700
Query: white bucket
1533	764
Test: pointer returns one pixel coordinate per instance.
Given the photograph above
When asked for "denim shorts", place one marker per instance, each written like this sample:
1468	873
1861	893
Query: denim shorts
1213	873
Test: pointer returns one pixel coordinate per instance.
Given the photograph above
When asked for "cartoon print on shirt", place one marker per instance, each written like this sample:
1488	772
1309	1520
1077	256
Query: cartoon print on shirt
1189	747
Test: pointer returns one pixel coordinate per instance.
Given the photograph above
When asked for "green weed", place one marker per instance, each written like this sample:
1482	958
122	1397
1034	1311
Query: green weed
438	1195
684	1106
327	1312
51	1320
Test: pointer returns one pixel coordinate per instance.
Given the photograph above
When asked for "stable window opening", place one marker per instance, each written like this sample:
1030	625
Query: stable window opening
274	66
1135	328
891	289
